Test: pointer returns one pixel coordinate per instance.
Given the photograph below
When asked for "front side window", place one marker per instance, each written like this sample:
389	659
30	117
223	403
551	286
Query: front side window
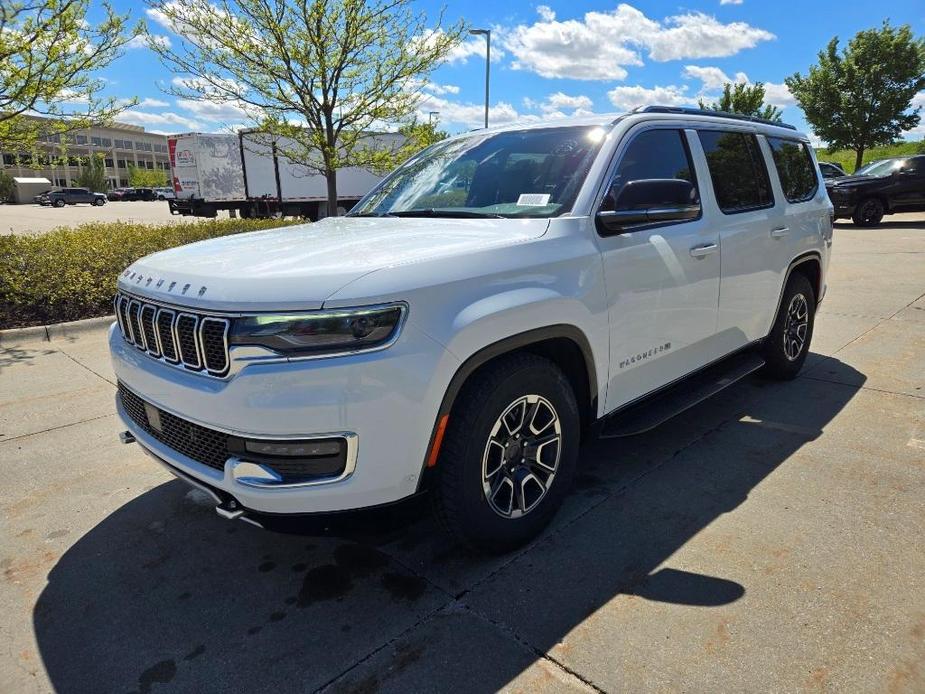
653	154
795	169
521	173
740	179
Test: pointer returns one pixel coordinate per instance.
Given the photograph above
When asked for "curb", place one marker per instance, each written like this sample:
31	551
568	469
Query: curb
54	331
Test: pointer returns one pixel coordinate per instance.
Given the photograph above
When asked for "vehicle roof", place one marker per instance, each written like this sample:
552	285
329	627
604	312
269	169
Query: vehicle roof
653	112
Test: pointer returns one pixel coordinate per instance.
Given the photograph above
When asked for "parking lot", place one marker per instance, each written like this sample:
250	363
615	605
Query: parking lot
36	219
771	539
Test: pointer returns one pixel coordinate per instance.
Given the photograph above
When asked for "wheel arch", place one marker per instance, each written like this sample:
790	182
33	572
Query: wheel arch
810	266
565	345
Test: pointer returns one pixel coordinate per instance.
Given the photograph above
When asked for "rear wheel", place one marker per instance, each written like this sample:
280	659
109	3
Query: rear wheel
786	347
99	202
59	203
509	454
868	213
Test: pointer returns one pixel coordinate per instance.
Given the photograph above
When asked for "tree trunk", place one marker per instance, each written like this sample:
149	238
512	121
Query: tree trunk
858	157
331	176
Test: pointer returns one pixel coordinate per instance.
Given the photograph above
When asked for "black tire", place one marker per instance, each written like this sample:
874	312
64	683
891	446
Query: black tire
460	500
868	212
99	202
780	362
59	203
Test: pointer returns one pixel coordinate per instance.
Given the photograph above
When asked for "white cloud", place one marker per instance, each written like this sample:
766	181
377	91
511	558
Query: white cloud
142	41
628	98
918	101
148	102
730	2
435	88
466	115
711	77
557	104
160	122
545	12
206	110
474	46
778	95
601	45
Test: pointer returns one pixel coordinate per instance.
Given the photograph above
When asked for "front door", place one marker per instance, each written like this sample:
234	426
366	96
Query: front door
662	279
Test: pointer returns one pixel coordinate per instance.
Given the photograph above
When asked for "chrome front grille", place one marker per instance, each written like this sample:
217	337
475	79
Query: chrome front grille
178	337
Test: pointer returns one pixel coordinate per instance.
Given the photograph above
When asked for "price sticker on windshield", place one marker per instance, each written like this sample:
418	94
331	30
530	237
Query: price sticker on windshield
533	199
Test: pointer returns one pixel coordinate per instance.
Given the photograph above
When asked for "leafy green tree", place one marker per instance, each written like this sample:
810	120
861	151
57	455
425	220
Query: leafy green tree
747	99
320	72
140	177
93	175
861	97
49	52
6	186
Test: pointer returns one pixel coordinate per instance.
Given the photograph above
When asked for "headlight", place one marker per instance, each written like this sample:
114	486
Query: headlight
320	332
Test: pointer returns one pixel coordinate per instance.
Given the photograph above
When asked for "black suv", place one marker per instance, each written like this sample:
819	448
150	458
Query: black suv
139	194
71	196
881	187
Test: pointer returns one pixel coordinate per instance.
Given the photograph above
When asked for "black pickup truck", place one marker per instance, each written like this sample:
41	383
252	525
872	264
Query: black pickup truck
880	188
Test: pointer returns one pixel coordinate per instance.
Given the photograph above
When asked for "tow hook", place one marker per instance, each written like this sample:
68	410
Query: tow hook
229	509
126	437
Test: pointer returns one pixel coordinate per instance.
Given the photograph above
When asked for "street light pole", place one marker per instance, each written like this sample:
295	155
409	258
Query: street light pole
487	34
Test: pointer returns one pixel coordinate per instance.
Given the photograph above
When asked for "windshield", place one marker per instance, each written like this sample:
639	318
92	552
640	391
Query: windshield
884	167
524	173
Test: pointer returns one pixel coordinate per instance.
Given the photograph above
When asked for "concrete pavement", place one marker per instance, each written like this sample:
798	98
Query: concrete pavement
772	539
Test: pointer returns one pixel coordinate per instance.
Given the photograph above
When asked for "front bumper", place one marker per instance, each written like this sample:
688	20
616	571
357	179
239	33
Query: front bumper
388	400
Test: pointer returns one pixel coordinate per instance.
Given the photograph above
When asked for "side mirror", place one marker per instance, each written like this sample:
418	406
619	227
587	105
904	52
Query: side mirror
649	201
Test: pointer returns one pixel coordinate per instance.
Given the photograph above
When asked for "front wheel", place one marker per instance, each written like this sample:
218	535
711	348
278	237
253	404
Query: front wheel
59	203
868	213
509	454
99	202
787	345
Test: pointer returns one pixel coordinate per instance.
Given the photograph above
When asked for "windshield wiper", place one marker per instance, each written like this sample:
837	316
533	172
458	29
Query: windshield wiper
370	214
437	212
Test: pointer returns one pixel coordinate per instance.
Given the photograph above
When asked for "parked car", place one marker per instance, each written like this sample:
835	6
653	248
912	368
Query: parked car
139	194
116	193
165	194
496	298
831	170
71	196
40	198
880	188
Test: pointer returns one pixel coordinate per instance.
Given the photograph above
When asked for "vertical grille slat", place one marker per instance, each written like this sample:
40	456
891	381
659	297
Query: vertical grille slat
181	338
186	340
147	328
165	319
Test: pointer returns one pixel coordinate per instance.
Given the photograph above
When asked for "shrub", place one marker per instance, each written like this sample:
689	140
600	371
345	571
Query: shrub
70	273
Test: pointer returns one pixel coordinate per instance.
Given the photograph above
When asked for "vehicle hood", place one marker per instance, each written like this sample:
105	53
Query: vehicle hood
298	267
854	180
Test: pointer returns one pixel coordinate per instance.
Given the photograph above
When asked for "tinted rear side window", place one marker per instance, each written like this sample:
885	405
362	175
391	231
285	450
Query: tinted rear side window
794	168
740	179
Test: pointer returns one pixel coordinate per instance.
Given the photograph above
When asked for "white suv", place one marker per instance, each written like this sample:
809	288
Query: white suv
499	296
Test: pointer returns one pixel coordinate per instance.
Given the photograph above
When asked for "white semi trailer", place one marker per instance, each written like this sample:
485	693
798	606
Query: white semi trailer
247	172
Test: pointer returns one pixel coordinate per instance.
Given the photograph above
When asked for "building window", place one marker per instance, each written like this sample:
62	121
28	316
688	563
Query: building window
72	161
118	143
107	142
61	182
123	182
149	164
81	139
109	163
25	160
121	163
96	141
9	160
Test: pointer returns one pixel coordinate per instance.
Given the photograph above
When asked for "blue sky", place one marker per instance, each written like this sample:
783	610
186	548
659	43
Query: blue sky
554	57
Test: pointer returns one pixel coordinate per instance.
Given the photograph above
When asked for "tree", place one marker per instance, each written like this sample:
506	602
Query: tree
321	72
48	53
93	174
745	99
6	186
861	97
140	177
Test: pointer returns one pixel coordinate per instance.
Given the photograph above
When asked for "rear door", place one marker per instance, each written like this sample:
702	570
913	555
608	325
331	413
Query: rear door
910	185
752	234
662	279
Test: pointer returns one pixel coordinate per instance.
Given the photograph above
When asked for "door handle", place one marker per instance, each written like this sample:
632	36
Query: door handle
779	232
703	251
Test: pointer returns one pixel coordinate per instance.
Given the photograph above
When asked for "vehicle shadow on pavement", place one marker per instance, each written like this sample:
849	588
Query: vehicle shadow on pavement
165	594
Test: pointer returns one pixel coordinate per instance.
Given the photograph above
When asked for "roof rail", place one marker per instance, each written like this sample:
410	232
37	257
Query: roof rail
705	112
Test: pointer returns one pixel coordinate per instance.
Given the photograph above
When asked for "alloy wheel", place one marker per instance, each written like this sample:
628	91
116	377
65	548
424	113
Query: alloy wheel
796	325
521	456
